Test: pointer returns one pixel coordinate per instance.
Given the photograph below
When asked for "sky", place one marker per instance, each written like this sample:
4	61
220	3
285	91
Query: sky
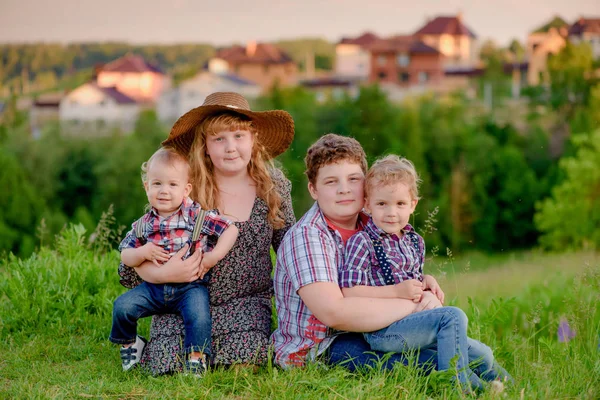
222	22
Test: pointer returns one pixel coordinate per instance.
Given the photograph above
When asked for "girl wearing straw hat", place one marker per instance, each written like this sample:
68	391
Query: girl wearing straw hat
230	149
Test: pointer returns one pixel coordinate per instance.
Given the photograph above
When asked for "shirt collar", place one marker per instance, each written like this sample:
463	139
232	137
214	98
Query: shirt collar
362	221
182	210
376	232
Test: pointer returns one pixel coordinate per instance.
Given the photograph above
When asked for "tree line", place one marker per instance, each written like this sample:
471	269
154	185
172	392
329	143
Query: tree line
493	180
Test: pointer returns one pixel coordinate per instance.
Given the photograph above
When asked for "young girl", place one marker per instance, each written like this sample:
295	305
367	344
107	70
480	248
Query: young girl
229	148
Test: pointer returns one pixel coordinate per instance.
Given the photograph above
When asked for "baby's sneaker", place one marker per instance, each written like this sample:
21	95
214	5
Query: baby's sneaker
196	367
132	355
496	387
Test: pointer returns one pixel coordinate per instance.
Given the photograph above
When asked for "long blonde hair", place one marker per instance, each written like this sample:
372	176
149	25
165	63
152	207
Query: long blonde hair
205	190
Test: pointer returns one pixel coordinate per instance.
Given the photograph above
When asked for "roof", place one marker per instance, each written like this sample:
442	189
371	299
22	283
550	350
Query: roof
585	25
259	53
112	92
404	43
130	63
331	81
237	80
445	25
48	100
464	71
362	40
556	22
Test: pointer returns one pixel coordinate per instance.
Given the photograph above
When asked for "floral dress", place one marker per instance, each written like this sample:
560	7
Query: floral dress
240	295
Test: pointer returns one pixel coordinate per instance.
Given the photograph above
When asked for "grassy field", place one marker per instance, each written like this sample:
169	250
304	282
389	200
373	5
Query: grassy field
55	315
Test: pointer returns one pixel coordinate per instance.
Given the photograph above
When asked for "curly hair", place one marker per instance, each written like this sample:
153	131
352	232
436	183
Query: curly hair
330	149
390	170
205	190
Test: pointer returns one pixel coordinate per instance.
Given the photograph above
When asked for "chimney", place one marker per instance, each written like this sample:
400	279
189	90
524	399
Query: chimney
459	16
310	65
251	48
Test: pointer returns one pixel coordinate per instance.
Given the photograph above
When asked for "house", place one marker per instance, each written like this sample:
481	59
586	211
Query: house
134	77
453	39
262	63
94	109
548	39
405	61
192	92
352	57
587	30
331	87
44	110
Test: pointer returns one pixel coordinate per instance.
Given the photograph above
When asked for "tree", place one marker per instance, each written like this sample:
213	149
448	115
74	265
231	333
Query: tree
571	72
569	219
20	207
517	49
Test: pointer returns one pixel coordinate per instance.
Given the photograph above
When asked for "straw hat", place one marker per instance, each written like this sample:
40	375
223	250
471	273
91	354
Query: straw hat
275	128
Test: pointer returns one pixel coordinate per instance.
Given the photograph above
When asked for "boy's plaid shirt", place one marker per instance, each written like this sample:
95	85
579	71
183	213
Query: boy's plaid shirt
310	252
406	256
174	231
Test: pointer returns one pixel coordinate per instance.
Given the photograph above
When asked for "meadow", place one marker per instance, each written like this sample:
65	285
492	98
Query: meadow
55	309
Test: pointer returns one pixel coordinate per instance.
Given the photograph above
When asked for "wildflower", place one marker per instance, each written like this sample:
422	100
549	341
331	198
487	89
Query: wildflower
565	333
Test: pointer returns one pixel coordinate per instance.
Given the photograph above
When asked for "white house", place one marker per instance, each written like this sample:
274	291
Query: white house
135	77
192	92
97	109
587	30
352	57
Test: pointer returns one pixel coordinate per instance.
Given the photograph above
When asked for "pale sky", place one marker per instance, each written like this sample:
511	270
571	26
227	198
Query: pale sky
221	22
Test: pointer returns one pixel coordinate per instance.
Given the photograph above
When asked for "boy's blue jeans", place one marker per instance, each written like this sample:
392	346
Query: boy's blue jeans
190	300
443	330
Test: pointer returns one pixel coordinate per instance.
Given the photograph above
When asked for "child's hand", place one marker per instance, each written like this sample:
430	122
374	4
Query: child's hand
430	283
410	289
428	302
206	264
155	254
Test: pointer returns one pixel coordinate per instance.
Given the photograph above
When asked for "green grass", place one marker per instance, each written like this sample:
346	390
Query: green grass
55	310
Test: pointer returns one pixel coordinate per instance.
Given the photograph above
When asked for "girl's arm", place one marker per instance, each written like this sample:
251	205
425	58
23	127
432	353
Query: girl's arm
224	244
284	187
176	270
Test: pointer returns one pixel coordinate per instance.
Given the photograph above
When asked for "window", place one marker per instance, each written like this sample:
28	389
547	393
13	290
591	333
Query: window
403	60
381	60
423	77
382	75
404	77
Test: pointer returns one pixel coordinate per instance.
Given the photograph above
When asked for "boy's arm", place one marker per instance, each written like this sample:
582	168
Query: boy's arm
134	256
133	253
410	289
308	257
430	283
356	314
224	244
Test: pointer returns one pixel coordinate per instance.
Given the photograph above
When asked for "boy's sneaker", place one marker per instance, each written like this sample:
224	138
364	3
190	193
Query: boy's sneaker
196	368
132	355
